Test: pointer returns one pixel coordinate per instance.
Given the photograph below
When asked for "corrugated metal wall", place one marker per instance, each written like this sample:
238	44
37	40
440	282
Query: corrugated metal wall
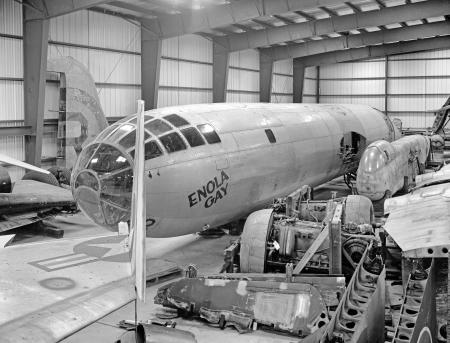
186	71
107	45
407	86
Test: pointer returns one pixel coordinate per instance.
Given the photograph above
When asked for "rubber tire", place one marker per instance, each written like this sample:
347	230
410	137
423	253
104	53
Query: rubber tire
358	210
41	177
62	174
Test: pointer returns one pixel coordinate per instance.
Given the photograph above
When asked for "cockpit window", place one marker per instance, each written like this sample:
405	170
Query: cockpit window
157	127
193	137
176	120
134	119
130	140
209	133
172	142
106	132
107	159
123	129
152	150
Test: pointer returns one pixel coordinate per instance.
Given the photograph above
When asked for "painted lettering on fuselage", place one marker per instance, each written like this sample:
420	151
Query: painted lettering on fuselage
211	192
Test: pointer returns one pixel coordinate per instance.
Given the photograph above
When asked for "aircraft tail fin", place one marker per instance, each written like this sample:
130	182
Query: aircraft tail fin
442	115
138	213
81	117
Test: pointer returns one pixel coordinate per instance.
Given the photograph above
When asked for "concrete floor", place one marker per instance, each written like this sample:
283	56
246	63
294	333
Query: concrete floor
205	253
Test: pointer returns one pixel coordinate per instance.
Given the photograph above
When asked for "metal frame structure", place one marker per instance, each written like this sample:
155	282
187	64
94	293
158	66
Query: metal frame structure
311	32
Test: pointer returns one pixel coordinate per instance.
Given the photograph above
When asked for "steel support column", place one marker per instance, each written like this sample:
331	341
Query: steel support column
265	77
317	84
150	68
298	79
221	58
35	46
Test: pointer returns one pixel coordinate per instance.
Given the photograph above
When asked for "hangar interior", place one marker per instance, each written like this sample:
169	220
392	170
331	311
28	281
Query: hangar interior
392	55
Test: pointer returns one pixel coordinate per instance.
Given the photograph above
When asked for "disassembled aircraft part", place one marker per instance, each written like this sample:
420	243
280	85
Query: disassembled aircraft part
270	240
389	167
240	301
360	315
41	177
417	314
5	181
154	333
81	117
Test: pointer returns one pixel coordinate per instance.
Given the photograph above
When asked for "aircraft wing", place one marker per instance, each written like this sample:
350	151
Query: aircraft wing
30	202
52	289
419	222
9	160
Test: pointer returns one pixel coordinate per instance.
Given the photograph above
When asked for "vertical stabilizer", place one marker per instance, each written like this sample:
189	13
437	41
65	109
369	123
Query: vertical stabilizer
441	119
81	117
138	215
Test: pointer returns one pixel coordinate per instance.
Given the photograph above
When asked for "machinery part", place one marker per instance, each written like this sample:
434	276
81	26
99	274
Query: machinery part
254	241
5	181
41	177
293	307
358	210
62	174
418	311
360	315
152	333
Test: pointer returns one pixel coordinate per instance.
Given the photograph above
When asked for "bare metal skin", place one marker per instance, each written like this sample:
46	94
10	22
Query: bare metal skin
385	167
213	184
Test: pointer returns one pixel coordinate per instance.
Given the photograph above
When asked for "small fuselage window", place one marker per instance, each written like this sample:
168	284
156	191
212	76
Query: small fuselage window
270	136
176	120
157	127
172	142
193	137
209	133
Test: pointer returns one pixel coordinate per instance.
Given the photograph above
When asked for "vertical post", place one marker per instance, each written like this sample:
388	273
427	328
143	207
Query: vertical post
35	47
317	84
298	79
150	67
386	81
265	77
335	241
221	58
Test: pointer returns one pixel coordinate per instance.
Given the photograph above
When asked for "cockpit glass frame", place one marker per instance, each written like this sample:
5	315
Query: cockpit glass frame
172	142
176	120
121	131
157	127
129	140
193	137
209	133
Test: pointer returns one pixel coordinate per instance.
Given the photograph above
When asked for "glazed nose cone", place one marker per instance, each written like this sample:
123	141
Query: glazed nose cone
102	184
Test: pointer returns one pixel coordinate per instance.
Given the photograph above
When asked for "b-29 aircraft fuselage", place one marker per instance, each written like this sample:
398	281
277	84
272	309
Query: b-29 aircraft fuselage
208	165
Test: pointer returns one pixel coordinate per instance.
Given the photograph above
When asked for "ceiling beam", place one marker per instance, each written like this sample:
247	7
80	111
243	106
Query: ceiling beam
377	51
134	8
54	8
354	8
391	15
354	41
228	13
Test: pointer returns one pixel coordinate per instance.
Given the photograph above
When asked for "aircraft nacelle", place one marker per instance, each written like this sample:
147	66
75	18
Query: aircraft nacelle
385	168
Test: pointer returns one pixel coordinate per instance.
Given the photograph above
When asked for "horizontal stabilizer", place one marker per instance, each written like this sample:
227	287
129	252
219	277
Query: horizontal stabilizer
12	161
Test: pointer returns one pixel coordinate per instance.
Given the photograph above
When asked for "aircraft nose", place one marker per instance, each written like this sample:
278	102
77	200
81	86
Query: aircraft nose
102	184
